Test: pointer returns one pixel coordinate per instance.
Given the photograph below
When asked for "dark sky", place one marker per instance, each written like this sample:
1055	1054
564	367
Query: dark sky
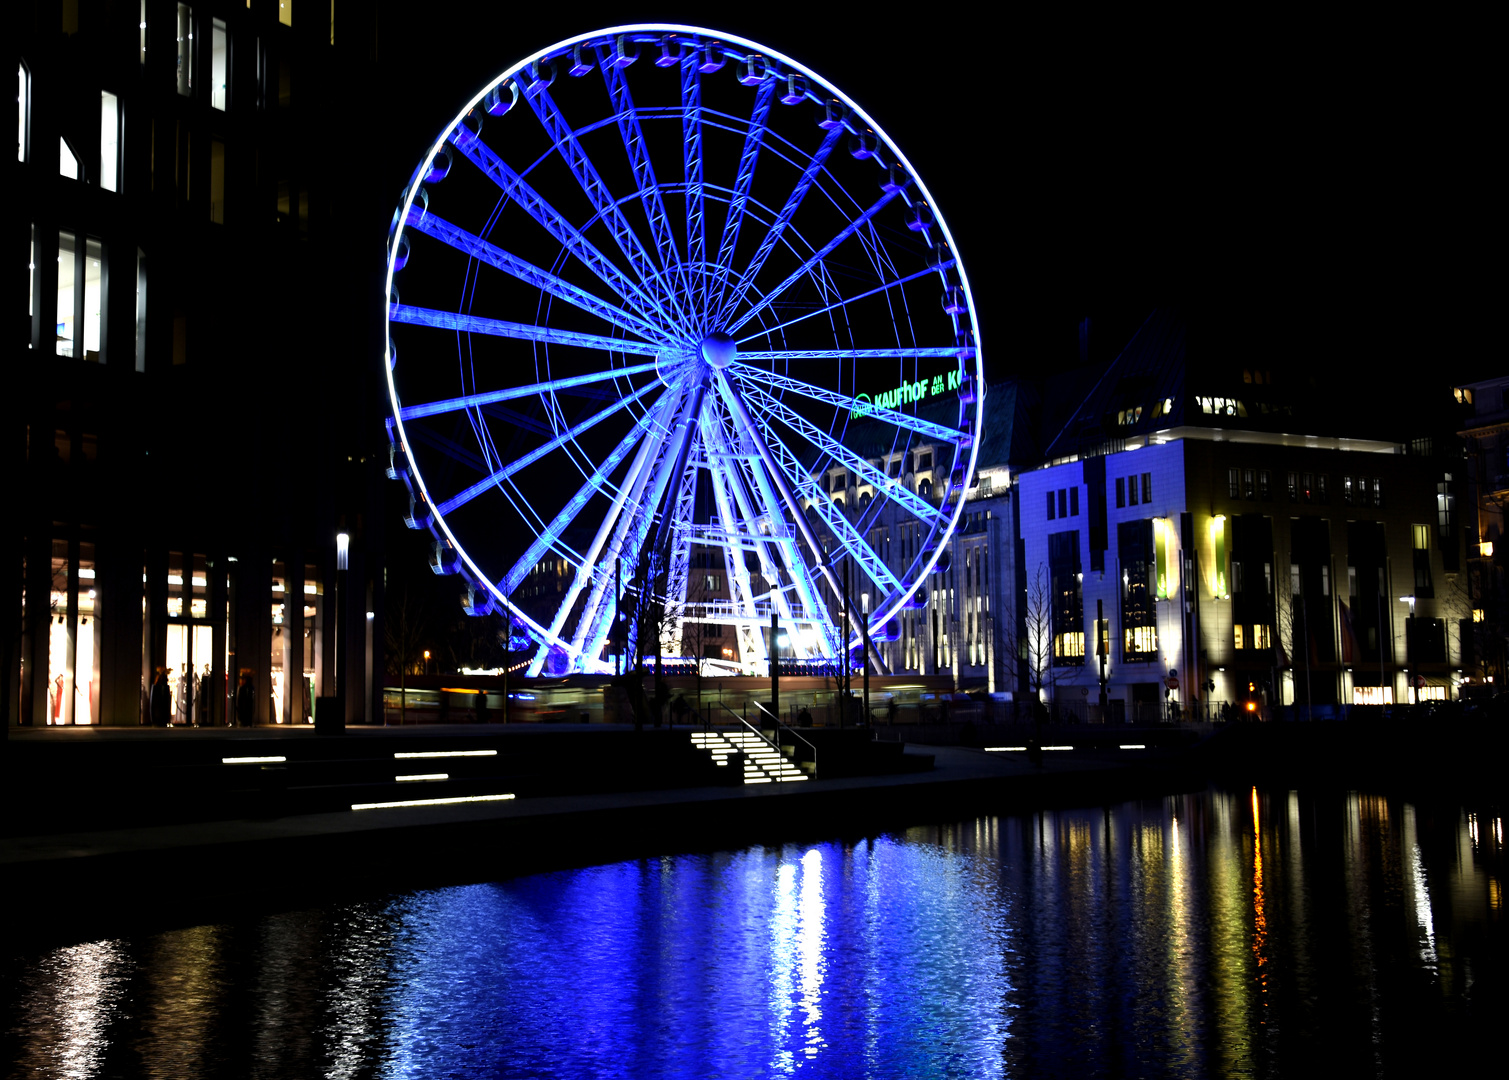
1017	163
1092	168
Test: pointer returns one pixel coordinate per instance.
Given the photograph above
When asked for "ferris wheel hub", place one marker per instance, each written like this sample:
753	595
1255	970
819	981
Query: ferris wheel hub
718	349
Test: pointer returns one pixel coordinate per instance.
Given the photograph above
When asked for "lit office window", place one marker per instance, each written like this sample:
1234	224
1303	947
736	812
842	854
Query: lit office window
219	67
141	310
185	49
68	161
94	300
66	271
285	12
23	103
110	115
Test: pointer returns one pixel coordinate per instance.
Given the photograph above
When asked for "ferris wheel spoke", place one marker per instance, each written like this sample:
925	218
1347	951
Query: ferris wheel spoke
791	479
744	180
691	165
855	224
463	497
632	133
656	278
951	351
519	190
476	324
597	482
469	244
834	518
760	356
749	376
778	227
913	503
488	397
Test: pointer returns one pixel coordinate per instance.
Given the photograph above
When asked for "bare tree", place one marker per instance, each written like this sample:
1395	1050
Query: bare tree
1028	642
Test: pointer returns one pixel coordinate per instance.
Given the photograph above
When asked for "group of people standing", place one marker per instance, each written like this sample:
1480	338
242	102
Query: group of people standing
160	698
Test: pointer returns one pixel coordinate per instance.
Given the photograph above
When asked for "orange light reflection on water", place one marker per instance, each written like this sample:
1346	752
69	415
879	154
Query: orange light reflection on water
1259	917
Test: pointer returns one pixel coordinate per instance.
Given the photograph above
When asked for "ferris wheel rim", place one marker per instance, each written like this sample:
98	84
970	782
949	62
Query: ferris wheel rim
441	527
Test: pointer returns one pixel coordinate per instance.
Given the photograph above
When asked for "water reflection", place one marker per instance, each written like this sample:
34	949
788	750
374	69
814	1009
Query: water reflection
1258	932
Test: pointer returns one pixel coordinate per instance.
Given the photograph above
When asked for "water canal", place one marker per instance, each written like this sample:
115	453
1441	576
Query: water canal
1246	932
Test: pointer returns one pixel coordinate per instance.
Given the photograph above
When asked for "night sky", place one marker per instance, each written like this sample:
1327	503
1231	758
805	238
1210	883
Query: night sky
1094	168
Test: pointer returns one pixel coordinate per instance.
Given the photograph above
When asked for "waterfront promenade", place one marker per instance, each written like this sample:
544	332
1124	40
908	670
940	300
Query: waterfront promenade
84	881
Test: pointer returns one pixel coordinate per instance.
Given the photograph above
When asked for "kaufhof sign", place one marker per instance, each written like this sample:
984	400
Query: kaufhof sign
906	394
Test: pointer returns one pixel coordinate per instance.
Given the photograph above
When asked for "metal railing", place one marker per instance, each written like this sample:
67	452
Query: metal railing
779	727
776	745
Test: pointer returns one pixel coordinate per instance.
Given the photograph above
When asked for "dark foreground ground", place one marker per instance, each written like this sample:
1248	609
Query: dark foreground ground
94	841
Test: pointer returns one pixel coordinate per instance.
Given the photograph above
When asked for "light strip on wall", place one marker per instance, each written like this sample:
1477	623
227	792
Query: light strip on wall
251	760
429	802
447	753
423	776
1134	746
998	749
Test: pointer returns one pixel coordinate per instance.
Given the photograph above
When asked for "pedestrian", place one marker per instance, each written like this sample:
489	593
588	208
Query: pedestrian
160	699
804	718
246	700
678	709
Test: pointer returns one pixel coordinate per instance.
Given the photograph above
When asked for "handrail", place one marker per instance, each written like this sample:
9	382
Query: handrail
787	727
776	746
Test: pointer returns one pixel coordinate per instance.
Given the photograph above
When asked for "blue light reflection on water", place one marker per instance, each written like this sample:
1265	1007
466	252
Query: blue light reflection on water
886	958
1243	933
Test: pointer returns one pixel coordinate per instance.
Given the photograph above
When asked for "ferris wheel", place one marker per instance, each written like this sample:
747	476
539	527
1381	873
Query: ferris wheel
645	291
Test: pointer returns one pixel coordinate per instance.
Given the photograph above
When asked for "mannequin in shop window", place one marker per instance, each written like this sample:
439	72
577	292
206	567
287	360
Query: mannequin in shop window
185	684
202	698
159	701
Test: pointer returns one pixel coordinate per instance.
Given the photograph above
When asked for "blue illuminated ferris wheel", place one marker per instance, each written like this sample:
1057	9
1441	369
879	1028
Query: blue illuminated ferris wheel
647	290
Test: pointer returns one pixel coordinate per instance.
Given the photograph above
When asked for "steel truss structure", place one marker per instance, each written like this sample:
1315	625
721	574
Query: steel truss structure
653	280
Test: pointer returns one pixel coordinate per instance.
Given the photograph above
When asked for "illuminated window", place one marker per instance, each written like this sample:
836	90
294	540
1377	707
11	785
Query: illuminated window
219	65
1346	491
1261	637
68	161
285	12
1378	492
109	141
23	103
1135	552
1372	695
1237	638
185	49
1477	614
1446	507
1068	598
1307	486
142	33
1421	545
1463	395
141	310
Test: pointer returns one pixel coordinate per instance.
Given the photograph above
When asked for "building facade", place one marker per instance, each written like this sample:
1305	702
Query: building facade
1188	550
189	404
